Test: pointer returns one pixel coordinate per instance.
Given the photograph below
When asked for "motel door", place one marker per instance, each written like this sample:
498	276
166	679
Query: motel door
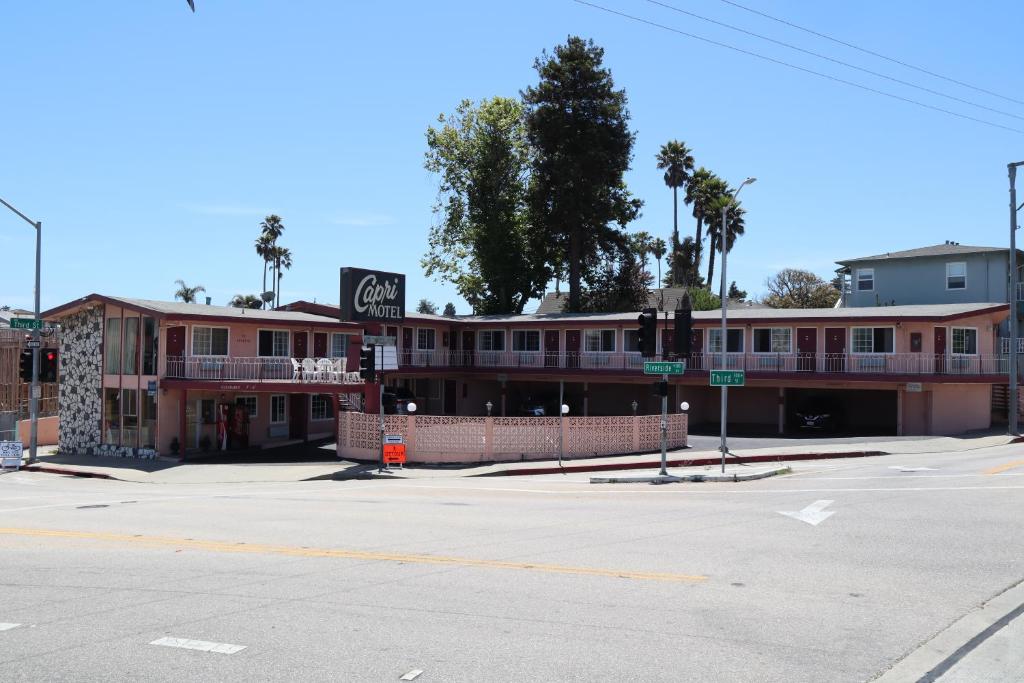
835	349
176	341
551	348
572	348
696	359
807	348
450	387
940	349
407	345
299	348
320	344
297	416
468	340
668	339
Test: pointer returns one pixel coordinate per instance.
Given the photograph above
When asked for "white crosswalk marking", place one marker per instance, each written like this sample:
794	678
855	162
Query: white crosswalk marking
7	627
202	645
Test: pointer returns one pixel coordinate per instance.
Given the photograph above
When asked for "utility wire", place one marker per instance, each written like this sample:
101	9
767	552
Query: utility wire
833	60
867	51
799	68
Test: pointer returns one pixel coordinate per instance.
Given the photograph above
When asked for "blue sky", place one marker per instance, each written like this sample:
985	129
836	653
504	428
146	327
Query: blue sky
151	141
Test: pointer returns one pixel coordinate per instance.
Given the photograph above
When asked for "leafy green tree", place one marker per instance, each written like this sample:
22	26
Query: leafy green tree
794	288
577	127
449	309
735	293
676	159
640	244
484	242
426	306
687	255
246	301
735	227
703	300
617	287
187	294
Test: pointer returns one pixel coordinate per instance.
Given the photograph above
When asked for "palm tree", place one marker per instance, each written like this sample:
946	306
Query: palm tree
658	250
246	301
734	229
264	244
272	228
186	293
676	159
282	257
640	244
703	188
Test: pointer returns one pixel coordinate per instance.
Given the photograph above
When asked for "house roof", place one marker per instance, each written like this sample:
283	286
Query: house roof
554	302
947	249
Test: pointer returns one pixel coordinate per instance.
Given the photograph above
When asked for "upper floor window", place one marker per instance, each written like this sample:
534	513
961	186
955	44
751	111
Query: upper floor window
526	340
773	340
865	279
150	340
872	340
339	345
130	361
273	343
112	347
492	340
425	339
734	343
209	341
956	275
965	341
599	340
631	341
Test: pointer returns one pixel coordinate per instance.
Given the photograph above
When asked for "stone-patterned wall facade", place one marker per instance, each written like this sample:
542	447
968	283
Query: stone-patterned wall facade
80	401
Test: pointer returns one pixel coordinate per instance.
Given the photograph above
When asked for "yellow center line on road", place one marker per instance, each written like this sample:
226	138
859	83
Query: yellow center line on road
258	548
1006	466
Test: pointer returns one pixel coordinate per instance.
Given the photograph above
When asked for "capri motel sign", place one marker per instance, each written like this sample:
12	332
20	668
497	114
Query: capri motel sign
372	296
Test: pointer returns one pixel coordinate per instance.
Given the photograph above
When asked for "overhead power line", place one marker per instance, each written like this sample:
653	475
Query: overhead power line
819	74
833	60
867	51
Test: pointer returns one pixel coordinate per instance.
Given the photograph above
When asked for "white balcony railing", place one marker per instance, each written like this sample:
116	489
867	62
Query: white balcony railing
261	369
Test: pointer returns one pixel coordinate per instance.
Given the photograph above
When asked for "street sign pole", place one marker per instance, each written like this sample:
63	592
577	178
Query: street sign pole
664	427
34	400
380	409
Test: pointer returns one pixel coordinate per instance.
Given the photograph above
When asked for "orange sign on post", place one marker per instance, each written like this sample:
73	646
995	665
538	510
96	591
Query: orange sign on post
394	453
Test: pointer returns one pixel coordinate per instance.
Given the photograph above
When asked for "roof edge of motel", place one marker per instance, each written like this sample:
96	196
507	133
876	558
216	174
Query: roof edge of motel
935	250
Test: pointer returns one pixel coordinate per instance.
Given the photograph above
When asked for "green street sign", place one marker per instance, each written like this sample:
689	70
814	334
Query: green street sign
728	378
26	324
664	368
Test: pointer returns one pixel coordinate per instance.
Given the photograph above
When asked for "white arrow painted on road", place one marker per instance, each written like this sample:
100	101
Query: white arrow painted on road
903	468
814	514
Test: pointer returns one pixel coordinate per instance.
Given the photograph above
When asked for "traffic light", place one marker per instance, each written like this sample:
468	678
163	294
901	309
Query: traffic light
25	365
367	363
681	341
48	365
646	334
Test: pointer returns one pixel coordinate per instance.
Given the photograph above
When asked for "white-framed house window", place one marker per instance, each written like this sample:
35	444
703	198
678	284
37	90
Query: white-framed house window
599	341
773	340
865	279
956	275
425	338
526	340
273	343
278	408
320	407
491	340
734	343
250	404
964	341
872	339
209	341
339	344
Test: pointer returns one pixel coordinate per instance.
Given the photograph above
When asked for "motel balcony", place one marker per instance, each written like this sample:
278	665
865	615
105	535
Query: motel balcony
848	364
261	369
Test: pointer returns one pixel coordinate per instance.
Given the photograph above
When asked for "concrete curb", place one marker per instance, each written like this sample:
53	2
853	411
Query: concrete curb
671	479
696	462
50	469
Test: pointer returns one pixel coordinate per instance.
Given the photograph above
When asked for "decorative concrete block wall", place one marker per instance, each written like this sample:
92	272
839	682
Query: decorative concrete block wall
80	401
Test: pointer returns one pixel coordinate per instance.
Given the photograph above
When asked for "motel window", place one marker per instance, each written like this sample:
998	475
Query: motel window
872	340
112	347
599	340
425	339
965	341
208	411
147	407
865	279
735	340
209	341
956	275
130	360
278	408
273	343
339	345
492	340
149	345
320	407
631	341
111	416
526	340
130	416
250	404
773	340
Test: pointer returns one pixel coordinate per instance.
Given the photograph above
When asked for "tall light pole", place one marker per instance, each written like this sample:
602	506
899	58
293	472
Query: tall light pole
1012	408
724	241
33	401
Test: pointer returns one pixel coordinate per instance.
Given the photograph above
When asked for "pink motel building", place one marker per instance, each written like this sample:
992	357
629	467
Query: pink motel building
146	377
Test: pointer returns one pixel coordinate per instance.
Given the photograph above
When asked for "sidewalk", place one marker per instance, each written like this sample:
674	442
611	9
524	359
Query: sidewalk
170	471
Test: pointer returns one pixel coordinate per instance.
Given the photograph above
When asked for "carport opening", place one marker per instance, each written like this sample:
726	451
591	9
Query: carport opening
854	412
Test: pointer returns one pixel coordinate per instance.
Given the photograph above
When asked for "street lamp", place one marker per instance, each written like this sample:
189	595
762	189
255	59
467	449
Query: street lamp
563	410
684	406
489	405
635	405
33	401
411	407
1012	407
724	241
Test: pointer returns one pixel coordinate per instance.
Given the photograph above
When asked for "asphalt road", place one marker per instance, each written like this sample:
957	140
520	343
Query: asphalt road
500	579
